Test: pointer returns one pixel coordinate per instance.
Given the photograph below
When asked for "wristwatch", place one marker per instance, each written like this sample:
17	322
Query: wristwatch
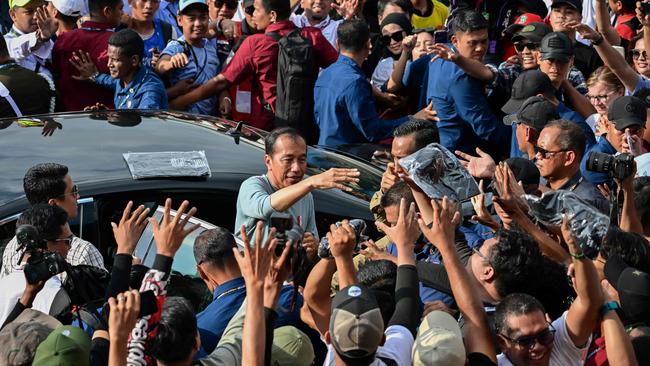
607	307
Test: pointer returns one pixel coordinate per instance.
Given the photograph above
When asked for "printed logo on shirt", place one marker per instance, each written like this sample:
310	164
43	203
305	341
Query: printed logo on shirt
354	291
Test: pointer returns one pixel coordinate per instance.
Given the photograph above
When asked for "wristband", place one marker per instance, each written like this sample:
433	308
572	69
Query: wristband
607	307
94	76
598	41
578	256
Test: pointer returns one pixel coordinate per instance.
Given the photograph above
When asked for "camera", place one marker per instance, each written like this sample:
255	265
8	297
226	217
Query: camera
359	227
285	230
41	264
619	166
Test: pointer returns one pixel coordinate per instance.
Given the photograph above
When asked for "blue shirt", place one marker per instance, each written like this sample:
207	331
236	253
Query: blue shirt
344	107
145	91
156	40
416	77
203	65
466	120
167	12
603	146
228	297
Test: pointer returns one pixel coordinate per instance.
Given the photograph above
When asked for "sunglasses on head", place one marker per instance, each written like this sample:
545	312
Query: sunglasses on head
230	4
544	338
520	46
249	10
397	37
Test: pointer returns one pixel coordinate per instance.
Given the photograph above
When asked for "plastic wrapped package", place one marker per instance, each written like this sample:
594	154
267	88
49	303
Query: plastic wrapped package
586	223
167	164
439	173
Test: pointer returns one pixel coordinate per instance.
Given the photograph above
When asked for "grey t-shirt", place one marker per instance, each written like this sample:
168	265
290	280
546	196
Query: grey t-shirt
254	204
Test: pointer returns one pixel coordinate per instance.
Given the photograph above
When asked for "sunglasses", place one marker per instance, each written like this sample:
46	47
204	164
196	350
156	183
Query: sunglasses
397	37
229	4
74	192
249	10
519	46
545	154
637	53
544	338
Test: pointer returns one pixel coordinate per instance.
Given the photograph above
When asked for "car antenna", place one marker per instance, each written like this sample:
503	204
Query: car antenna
236	132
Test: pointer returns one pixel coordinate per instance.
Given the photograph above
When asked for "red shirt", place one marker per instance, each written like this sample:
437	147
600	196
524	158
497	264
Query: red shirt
92	37
257	58
624	30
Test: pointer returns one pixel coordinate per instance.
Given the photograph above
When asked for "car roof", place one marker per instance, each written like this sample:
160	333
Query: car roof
92	144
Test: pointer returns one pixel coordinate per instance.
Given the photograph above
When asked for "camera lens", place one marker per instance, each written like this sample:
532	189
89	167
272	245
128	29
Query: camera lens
599	162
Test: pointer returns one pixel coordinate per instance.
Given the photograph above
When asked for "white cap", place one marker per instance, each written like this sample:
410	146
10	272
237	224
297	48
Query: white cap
71	8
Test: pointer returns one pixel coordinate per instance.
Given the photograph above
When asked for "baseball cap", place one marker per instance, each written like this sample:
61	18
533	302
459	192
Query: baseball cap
248	3
183	4
627	111
18	3
576	4
21	337
525	170
356	326
536	112
521	21
528	84
556	46
634	293
291	347
66	345
71	8
439	341
534	32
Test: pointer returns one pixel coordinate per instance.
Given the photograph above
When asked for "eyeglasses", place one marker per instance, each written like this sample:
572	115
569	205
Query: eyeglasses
249	10
74	192
637	53
519	46
600	98
67	240
397	37
545	154
544	338
231	4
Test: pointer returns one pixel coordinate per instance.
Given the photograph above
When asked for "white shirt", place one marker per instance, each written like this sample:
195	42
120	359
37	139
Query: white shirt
398	345
13	286
21	48
563	353
327	26
382	72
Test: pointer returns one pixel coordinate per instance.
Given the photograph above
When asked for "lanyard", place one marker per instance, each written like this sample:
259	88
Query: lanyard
199	69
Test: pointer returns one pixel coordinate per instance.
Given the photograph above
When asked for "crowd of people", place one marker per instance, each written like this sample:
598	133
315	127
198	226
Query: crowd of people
513	213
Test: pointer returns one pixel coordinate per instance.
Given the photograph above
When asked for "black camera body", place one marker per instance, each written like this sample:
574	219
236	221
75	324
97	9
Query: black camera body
359	227
620	166
41	264
286	230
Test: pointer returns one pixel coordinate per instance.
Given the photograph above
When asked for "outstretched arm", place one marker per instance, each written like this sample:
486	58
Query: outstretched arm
210	88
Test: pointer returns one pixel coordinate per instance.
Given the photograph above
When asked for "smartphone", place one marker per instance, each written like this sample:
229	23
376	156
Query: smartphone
148	305
281	222
440	36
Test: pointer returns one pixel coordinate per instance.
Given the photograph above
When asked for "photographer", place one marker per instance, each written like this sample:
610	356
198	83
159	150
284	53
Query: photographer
625	124
47	296
50	183
283	189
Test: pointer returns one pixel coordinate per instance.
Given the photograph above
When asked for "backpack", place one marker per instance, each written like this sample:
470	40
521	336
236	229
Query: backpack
297	74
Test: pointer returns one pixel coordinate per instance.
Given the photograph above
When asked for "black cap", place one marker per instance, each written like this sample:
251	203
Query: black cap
627	111
556	46
576	4
634	293
248	3
533	32
536	112
528	84
614	266
525	170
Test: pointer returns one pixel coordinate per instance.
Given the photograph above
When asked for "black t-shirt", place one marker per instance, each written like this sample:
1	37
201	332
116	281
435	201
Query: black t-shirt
31	92
479	359
586	59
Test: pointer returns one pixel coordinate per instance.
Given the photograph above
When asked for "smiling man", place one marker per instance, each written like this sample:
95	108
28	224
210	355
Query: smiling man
283	189
135	86
316	14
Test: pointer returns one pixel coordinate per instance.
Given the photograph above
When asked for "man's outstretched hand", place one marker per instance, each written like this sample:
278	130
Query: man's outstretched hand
334	178
481	166
169	233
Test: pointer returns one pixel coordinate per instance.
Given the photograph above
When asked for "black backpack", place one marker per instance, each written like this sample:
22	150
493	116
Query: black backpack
297	74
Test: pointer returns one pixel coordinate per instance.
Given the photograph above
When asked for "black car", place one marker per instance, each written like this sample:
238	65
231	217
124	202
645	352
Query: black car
92	146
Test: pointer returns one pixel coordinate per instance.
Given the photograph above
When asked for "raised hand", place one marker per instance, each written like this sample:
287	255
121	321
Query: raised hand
510	192
347	8
482	215
481	166
128	231
585	31
169	233
441	50
389	178
334	178
574	248
254	264
342	240
310	244
46	23
123	314
408	43
374	253
443	227
84	64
